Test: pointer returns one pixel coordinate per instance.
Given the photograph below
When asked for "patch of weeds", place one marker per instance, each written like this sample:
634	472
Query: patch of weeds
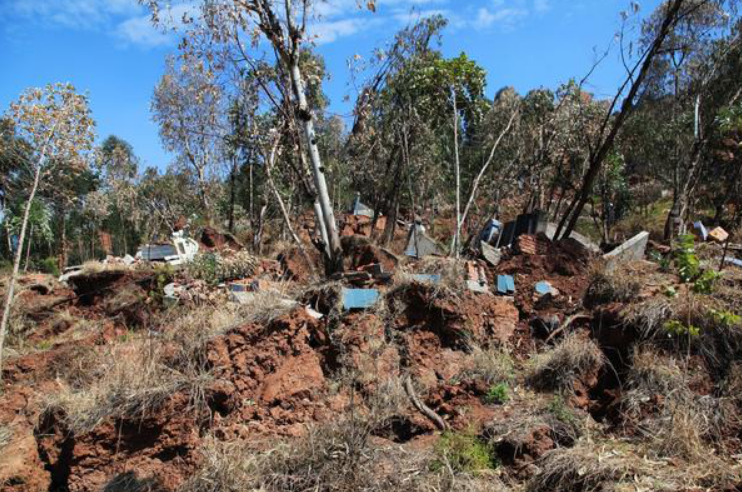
689	269
559	410
675	328
5	436
44	345
725	318
464	452
497	394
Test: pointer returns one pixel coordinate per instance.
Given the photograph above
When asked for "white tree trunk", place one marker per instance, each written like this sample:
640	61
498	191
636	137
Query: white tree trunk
484	168
323	197
16	266
455	243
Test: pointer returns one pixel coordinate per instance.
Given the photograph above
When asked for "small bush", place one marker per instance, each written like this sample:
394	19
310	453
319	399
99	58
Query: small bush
493	366
464	452
497	394
214	268
558	367
49	265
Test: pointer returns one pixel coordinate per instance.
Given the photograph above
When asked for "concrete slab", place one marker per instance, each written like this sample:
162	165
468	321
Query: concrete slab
583	240
631	250
426	277
491	254
419	244
701	229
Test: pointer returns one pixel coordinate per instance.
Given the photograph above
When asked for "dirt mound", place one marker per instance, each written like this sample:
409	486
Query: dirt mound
437	330
360	225
271	375
158	449
360	251
563	264
212	239
296	267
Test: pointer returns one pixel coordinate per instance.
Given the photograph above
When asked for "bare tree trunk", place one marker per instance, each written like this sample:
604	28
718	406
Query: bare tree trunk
17	265
484	168
28	250
232	193
64	243
455	242
328	215
569	221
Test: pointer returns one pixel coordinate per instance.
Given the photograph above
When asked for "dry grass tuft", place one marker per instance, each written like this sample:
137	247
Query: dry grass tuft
621	467
582	468
5	436
130	380
337	457
679	423
493	366
450	270
135	377
617	285
559	366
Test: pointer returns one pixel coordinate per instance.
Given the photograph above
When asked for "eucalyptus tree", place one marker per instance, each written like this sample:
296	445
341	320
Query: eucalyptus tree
56	123
668	17
237	27
189	107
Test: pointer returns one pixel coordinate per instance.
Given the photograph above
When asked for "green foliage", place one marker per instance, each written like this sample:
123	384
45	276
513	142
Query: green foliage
689	268
164	274
679	329
559	409
726	318
497	394
214	268
686	262
464	452
49	265
704	284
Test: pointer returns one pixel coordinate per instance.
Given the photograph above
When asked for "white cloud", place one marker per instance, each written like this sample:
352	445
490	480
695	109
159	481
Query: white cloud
505	17
541	6
123	19
140	31
325	32
73	13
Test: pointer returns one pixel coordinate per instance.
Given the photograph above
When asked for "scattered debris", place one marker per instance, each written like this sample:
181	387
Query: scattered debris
491	254
359	298
531	224
361	209
544	288
491	232
426	277
718	235
701	229
505	285
476	278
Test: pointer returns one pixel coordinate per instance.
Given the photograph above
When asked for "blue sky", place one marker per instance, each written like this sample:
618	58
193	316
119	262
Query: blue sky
109	49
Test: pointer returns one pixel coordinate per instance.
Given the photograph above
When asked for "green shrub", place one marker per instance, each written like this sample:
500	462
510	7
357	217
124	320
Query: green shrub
464	452
214	268
497	394
48	265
